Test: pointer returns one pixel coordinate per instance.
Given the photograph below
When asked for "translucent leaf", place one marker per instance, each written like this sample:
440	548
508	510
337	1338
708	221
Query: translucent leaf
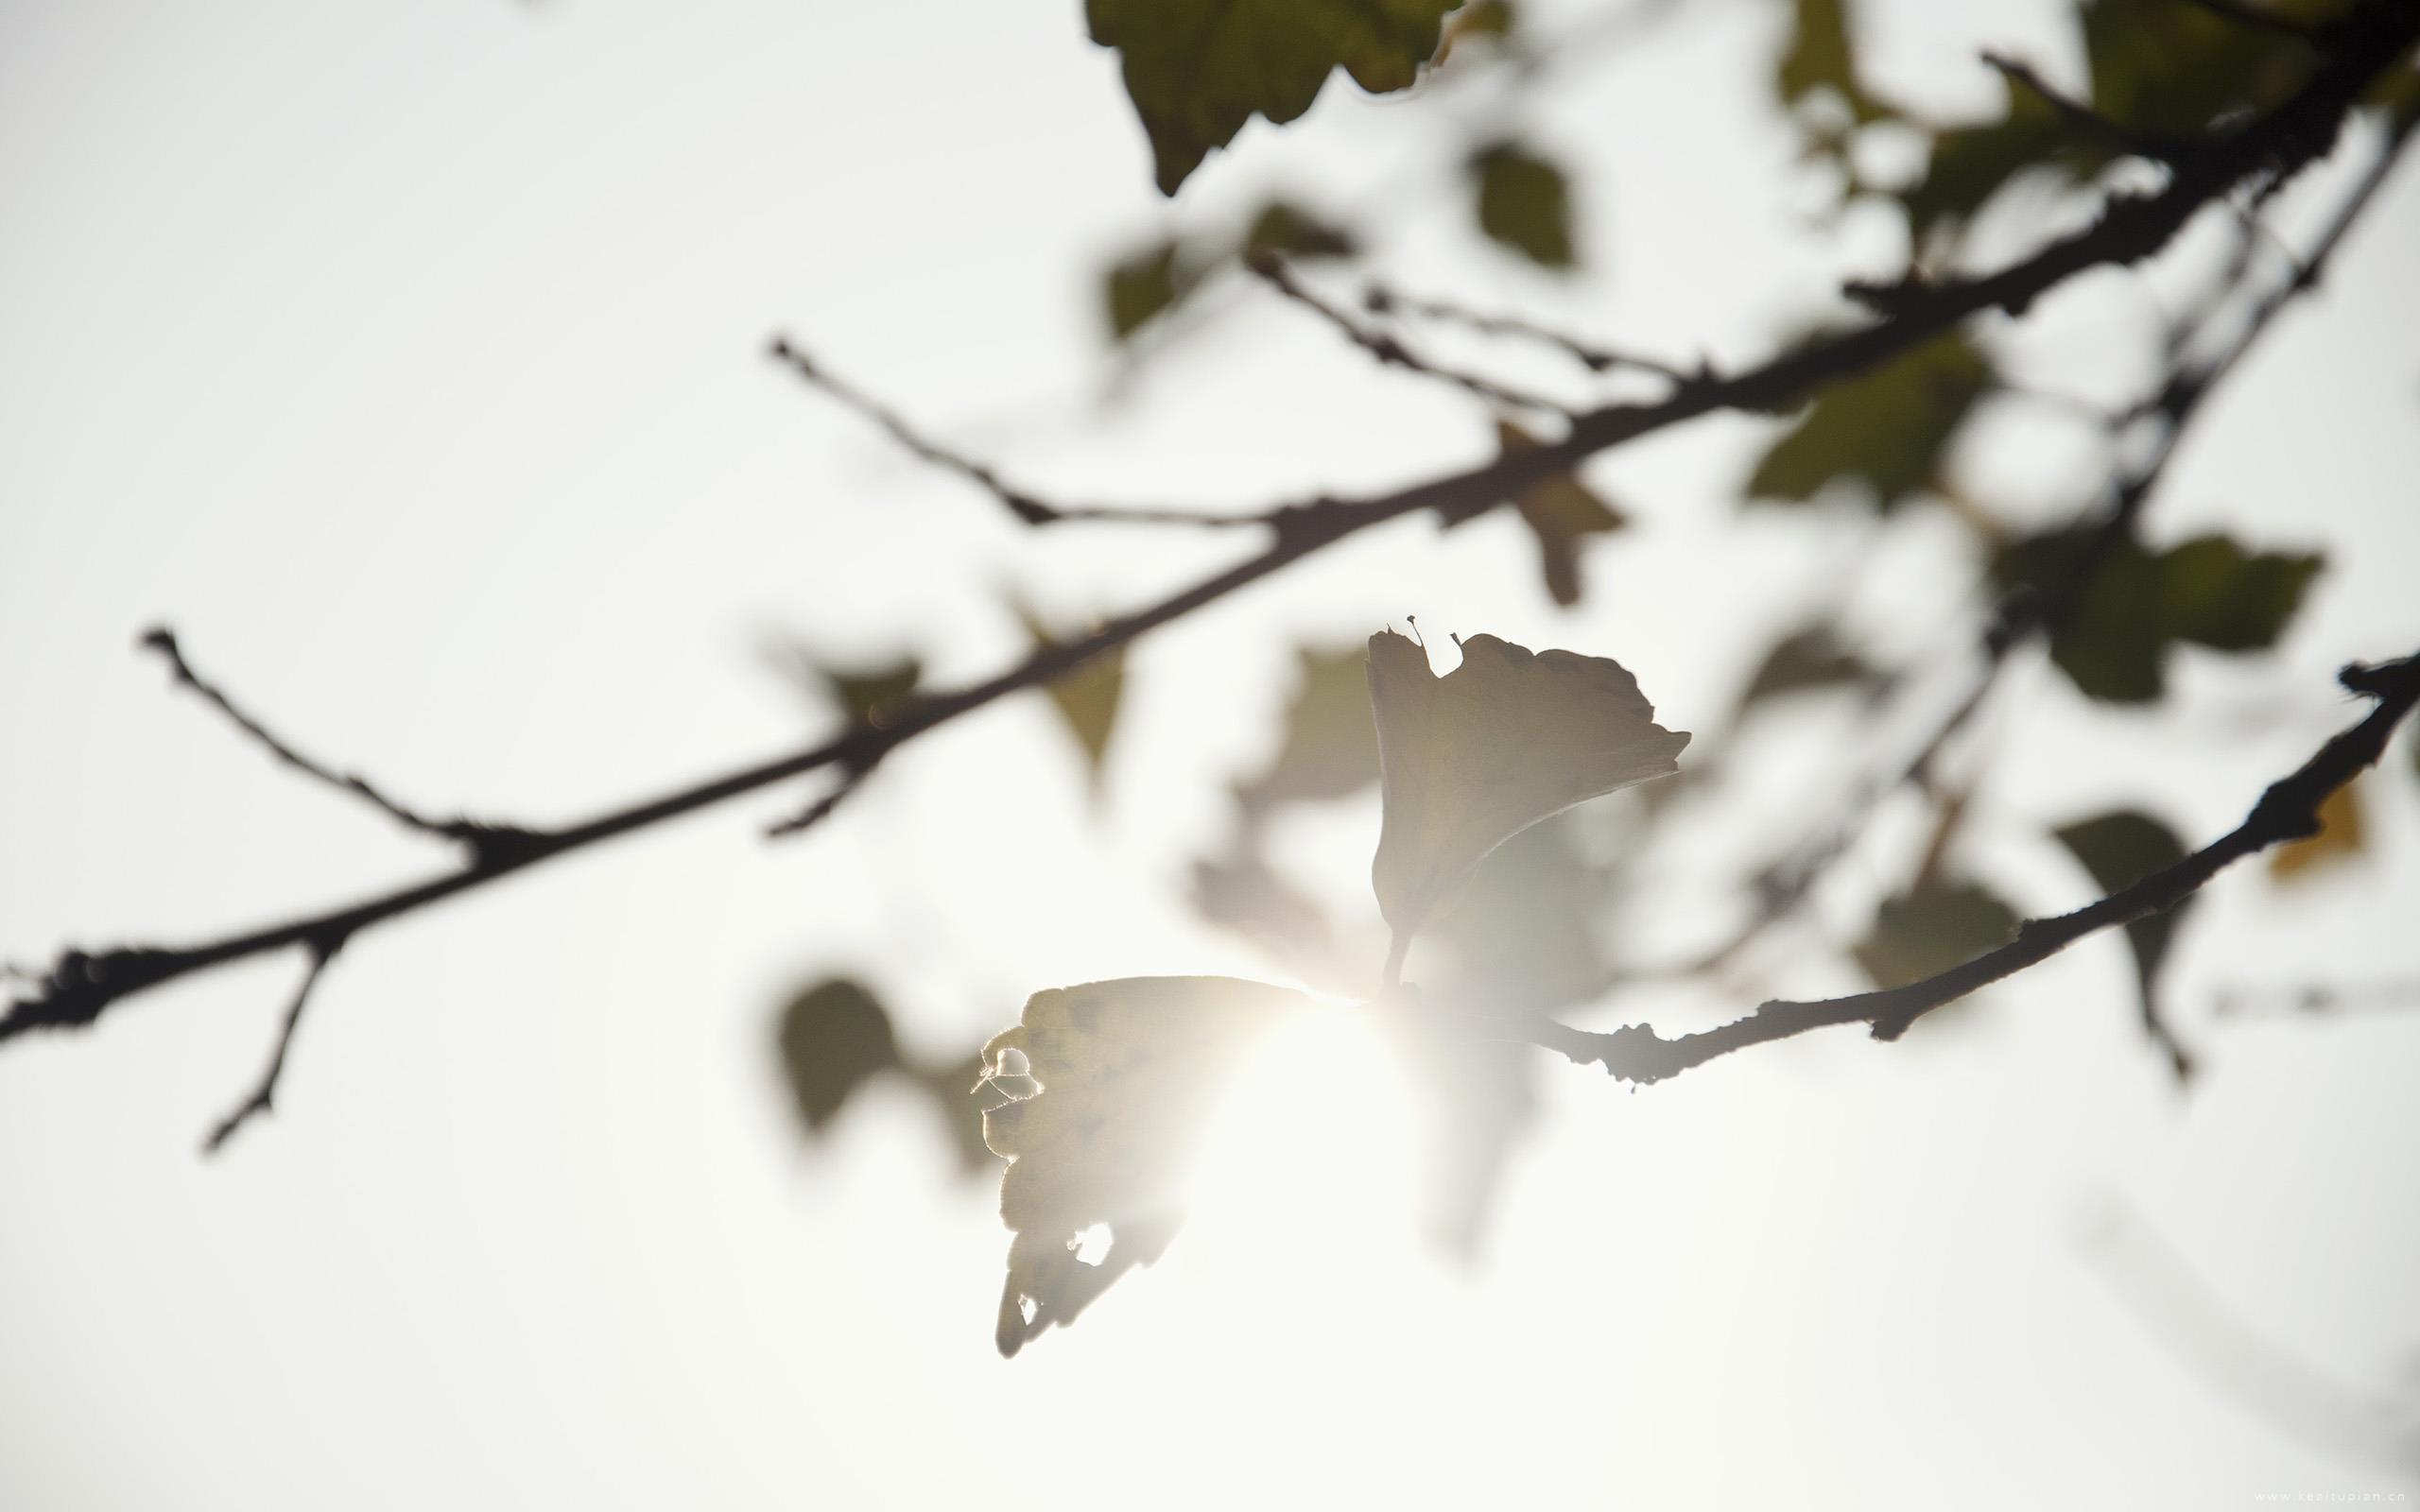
1885	429
1559	511
1196	70
1471	759
833	1036
1524	204
1330	746
1087	699
1931	928
1096	1098
2342	835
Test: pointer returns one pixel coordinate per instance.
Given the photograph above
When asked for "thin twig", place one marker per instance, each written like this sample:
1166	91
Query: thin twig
1026	508
2289	810
263	1096
2089	123
1381	301
1271	269
481	839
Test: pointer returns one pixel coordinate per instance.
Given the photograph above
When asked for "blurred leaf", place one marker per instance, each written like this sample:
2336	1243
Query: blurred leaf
1469	760
1481	18
2216	594
1087	697
862	694
2114	641
1239	890
1474	1098
833	1036
2119	849
1140	287
2397	97
1522	936
1886	428
1931	928
1809	657
947	1090
2173	67
2339	838
1969	163
1196	70
1821	56
1559	510
1524	204
1330	746
1097	1099
1287	229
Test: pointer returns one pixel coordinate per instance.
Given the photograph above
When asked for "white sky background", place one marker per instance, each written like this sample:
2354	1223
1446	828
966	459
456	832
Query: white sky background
407	358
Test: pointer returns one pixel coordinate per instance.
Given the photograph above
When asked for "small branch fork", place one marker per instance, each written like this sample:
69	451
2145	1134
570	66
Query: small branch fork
2289	810
485	841
78	986
263	1096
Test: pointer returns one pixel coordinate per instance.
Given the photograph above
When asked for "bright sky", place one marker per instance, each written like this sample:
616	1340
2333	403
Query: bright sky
409	359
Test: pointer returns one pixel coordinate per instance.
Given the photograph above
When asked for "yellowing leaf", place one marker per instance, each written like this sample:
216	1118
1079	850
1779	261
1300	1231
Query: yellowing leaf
2339	838
1525	202
1559	510
1087	697
1196	70
1097	1099
1471	759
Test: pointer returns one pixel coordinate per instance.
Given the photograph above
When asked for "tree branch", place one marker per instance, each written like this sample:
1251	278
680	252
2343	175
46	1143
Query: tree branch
2289	810
79	987
264	1097
1381	301
1387	348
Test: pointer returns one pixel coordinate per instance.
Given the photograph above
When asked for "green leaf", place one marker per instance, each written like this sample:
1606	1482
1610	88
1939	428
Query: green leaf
2216	593
1559	510
831	1035
864	693
1196	70
1087	699
1970	164
1933	927
1469	760
1809	658
1524	204
1288	230
1141	286
1097	1099
1480	18
1330	746
2113	644
1820	56
1885	429
2119	849
2173	67
2341	837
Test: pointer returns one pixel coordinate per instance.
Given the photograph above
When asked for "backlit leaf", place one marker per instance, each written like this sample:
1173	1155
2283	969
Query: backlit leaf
2339	838
1087	699
1935	926
1524	204
1096	1098
1471	759
1196	70
1884	430
1559	511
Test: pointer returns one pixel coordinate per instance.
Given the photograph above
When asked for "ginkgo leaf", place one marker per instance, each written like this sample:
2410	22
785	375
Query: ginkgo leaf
1087	699
1936	925
1196	70
833	1036
1559	510
1524	202
1097	1099
1471	759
